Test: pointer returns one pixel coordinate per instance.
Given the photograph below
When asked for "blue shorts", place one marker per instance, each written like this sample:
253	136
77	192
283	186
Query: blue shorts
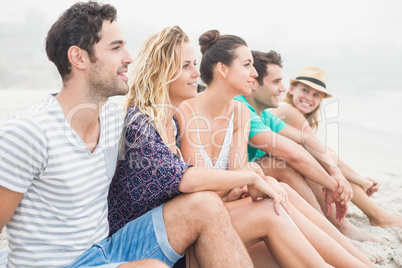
142	238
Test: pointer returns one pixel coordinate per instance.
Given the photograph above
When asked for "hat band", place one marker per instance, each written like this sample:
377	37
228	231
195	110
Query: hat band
315	81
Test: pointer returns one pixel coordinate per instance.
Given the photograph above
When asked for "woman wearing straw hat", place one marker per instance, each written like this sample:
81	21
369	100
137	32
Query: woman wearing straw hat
301	110
215	130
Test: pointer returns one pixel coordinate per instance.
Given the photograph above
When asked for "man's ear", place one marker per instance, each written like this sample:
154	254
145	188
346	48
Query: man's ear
78	57
222	69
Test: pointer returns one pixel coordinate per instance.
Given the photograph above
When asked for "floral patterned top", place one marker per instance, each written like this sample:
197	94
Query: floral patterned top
148	172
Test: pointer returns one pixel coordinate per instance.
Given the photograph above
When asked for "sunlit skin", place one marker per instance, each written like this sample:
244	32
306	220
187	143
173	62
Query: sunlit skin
107	75
241	74
305	98
185	86
268	94
93	80
210	107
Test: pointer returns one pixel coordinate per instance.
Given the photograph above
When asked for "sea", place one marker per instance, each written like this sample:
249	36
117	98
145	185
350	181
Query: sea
363	126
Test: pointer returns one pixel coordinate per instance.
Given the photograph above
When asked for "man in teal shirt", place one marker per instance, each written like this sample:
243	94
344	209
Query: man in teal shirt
275	146
259	123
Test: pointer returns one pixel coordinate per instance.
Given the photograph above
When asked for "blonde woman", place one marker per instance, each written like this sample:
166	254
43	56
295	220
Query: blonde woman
215	137
301	110
151	173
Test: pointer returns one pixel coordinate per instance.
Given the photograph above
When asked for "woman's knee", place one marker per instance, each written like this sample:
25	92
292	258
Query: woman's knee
286	187
262	210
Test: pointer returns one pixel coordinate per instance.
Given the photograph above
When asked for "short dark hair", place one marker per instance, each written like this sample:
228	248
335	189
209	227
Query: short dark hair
217	48
80	25
262	59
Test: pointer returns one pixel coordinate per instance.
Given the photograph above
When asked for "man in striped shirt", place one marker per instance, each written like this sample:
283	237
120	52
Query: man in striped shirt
58	158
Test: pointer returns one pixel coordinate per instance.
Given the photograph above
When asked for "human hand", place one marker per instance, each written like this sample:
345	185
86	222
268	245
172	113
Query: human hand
344	192
278	189
373	188
252	166
261	189
236	193
341	208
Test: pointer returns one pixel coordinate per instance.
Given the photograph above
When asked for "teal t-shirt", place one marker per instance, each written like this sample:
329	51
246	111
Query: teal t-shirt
266	122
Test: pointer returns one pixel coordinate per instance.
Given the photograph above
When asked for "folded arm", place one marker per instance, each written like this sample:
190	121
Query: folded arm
295	156
299	130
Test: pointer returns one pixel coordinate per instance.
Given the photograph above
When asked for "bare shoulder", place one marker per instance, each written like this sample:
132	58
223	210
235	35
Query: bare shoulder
184	111
241	109
288	114
284	110
241	115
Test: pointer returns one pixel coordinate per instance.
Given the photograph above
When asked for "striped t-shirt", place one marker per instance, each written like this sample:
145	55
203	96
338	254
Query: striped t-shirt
64	208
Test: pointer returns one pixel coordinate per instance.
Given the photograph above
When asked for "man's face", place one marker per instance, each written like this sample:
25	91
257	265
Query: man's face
268	94
107	76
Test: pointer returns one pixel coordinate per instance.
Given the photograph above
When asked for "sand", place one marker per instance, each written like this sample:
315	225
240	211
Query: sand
389	198
386	172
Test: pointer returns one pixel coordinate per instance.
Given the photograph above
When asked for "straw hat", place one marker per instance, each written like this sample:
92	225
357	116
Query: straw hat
313	77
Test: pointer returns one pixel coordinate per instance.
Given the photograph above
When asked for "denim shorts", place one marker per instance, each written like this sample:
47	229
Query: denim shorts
142	238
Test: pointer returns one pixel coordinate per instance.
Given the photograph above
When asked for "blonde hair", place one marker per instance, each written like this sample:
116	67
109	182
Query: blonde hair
154	69
312	117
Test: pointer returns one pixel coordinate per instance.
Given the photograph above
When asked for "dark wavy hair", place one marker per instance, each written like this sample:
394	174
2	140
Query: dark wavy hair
217	48
80	25
262	59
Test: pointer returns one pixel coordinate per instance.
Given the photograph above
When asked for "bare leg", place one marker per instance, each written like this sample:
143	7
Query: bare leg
201	219
376	214
287	174
348	172
329	242
261	256
145	264
256	221
345	227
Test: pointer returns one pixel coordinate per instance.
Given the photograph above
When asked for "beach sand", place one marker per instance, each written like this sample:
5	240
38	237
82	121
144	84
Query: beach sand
351	140
388	197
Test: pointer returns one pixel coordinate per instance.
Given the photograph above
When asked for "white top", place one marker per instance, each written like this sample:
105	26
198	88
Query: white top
64	208
223	158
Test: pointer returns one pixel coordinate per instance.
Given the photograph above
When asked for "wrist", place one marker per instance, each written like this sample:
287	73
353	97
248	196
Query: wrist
367	184
253	177
334	186
335	172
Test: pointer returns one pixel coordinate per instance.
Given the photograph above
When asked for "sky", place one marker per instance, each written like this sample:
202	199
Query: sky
357	42
347	38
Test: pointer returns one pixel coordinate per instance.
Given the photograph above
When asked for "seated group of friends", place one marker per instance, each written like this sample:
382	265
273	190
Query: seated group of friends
230	176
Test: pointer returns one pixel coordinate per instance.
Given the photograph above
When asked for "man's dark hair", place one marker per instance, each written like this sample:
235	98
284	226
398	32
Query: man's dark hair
80	25
262	59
